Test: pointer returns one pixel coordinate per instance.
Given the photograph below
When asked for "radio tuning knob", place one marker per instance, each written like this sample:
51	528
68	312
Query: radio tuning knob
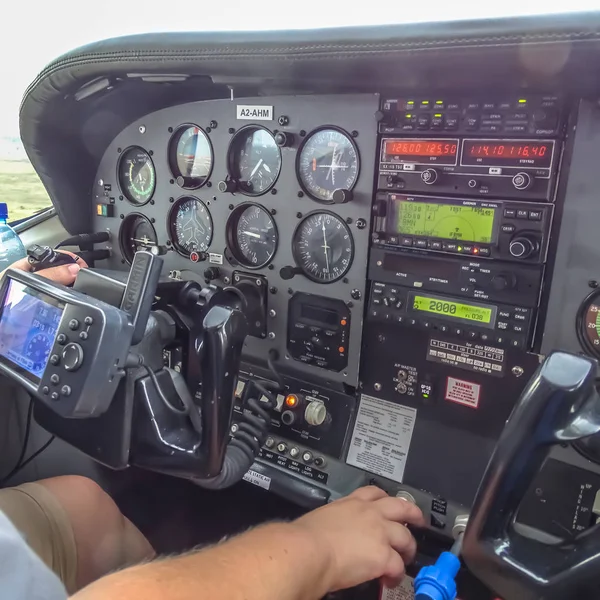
504	281
523	246
429	176
522	181
341	196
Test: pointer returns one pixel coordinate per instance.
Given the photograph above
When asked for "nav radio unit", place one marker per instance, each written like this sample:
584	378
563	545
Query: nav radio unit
501	229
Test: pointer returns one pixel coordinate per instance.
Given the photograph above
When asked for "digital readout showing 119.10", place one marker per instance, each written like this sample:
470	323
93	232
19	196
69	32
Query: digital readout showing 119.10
453	310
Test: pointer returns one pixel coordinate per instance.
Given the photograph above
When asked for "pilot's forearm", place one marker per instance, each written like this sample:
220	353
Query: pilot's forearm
273	562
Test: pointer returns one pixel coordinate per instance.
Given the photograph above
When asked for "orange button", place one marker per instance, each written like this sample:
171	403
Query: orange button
291	400
343	322
341	349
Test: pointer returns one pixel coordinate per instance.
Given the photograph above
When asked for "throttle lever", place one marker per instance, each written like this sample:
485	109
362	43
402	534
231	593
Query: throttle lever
560	404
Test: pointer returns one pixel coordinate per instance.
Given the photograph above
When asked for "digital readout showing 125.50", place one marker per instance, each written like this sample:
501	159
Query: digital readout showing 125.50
449	308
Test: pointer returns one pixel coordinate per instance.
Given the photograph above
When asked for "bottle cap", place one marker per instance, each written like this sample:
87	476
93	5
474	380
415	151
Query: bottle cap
3	211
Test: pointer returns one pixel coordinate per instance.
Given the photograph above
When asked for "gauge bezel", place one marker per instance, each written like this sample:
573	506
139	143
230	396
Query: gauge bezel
122	188
231	237
307	274
305	141
128	217
171	224
230	160
172	155
580	328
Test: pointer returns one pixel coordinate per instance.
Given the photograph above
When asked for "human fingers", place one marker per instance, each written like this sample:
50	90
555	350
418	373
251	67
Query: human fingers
402	541
64	274
368	493
394	570
400	511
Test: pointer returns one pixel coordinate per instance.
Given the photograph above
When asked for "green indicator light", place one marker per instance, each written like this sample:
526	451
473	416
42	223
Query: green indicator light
425	102
425	395
460	248
438	115
522	101
439	102
408	116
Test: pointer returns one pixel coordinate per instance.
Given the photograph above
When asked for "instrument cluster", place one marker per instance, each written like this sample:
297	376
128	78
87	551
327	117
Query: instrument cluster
273	188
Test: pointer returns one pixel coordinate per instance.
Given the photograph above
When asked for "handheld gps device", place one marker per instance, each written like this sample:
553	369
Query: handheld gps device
67	348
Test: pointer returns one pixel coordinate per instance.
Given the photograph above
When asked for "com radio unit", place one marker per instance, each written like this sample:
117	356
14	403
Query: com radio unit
498	229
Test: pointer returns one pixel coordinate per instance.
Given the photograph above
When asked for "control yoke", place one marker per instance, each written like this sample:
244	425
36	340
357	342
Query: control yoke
560	405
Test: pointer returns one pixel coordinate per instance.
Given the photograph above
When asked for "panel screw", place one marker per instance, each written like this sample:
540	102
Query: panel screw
290	291
171	199
299	215
361	223
231	207
151	152
120	197
208	184
349	221
517	371
119	150
100	182
122	261
236	278
283	120
208	130
231	130
171	181
272	313
121	216
377	387
142	129
355	294
152	202
273	289
274	191
168	242
214	198
355	133
270	267
213	124
345	280
152	220
593	283
271	335
226	280
381	338
273	211
258	282
302	133
300	194
170	130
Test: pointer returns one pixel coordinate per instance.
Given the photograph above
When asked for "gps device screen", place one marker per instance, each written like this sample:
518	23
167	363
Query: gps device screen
29	322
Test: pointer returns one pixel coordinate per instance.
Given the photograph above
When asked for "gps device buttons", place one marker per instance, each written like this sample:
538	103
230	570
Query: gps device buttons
72	356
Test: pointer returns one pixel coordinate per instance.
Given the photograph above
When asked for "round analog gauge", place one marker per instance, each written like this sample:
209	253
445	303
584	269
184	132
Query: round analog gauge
588	324
190	226
323	247
136	233
38	349
137	176
254	160
190	156
327	161
252	235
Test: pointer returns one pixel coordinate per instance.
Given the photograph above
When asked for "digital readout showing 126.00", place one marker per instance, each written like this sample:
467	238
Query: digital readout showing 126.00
448	308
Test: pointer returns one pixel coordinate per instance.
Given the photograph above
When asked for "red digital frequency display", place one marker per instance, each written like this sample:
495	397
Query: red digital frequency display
507	153
421	151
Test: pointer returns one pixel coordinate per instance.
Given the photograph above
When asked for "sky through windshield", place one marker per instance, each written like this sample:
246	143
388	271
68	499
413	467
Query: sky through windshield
35	32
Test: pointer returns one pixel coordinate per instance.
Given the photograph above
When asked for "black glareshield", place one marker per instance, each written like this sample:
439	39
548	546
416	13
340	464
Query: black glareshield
560	405
66	348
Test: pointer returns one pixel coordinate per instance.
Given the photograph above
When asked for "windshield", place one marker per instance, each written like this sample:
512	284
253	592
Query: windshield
32	35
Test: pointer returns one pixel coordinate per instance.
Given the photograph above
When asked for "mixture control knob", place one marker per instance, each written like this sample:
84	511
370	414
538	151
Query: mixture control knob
429	176
522	181
315	413
211	273
504	281
283	139
404	495
227	185
341	196
523	246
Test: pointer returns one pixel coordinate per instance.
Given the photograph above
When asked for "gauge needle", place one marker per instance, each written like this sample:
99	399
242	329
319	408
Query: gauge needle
252	234
256	168
325	247
144	241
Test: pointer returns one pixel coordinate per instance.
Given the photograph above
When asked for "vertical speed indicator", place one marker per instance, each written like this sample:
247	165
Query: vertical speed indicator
323	247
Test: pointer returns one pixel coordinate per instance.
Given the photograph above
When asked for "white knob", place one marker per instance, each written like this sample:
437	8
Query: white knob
315	413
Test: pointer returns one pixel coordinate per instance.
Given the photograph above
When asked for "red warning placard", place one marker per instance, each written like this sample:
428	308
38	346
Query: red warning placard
463	392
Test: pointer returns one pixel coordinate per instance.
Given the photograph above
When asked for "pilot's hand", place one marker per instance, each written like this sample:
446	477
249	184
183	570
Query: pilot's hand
363	537
65	274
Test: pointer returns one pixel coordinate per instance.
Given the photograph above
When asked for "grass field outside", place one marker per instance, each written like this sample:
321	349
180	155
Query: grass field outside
21	189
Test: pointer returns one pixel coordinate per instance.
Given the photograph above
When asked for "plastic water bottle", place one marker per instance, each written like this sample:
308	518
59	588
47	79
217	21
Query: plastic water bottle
11	247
